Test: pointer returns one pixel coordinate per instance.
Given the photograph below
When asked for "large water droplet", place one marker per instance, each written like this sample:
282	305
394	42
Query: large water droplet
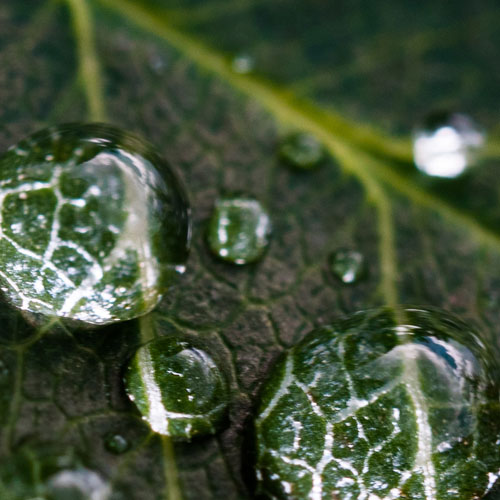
385	404
77	484
446	145
178	388
94	224
347	265
116	444
239	230
302	150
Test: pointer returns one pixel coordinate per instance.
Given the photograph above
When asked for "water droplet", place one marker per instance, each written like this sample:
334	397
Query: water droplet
239	230
302	150
178	388
158	63
4	371
76	227
359	410
243	64
78	484
446	145
116	444
347	265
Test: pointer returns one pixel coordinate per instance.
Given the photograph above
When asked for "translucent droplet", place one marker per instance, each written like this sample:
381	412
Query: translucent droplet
78	484
302	150
178	388
384	404
243	64
347	265
116	444
88	211
446	145
239	230
4	371
158	63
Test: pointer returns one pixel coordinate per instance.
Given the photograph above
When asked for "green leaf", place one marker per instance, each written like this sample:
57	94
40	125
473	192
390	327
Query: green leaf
389	404
358	76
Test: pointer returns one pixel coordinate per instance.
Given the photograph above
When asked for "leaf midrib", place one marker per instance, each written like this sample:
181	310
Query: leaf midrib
350	143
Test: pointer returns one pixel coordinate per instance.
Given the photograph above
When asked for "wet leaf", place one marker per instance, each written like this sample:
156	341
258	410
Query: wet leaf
356	75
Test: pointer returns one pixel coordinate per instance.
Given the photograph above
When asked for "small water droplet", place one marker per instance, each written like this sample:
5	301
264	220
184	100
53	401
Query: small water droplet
78	484
158	63
89	210
347	265
239	230
178	388
243	64
116	444
302	150
447	144
4	371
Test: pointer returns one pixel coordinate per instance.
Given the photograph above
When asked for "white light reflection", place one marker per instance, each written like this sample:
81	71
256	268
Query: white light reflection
448	149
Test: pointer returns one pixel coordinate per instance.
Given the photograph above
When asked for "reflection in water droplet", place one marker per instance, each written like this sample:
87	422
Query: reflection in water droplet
347	265
413	387
239	230
178	388
116	444
158	63
89	210
446	145
78	484
302	150
243	64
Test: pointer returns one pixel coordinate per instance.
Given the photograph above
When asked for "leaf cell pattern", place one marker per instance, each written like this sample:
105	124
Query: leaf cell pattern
160	68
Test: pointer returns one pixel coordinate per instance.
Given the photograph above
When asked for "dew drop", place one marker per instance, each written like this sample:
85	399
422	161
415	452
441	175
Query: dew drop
302	150
158	63
116	444
239	230
89	210
243	64
347	265
447	144
178	388
77	484
4	371
424	404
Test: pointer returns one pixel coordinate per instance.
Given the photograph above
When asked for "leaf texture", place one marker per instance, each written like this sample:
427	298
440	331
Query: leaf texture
356	76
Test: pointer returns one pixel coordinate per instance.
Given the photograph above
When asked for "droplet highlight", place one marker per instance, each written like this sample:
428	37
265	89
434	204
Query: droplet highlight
385	404
94	224
243	64
239	230
347	265
302	150
178	388
447	144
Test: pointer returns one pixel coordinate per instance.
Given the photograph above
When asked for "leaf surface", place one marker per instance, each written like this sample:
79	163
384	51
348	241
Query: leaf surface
357	76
